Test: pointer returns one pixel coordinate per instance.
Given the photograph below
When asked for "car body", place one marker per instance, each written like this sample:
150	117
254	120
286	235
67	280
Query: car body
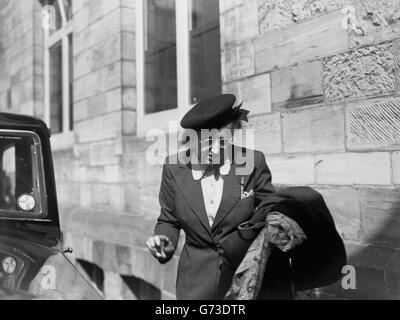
32	262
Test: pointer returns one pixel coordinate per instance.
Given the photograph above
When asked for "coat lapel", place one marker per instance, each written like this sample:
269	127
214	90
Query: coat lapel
192	192
230	196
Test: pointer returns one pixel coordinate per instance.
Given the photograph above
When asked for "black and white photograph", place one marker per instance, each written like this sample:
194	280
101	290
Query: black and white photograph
216	151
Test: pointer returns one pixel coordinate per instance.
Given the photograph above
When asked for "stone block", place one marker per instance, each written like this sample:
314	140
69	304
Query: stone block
98	56
374	21
380	217
103	153
278	14
102	127
128	19
299	85
396	167
81	17
109	6
128	122
248	22
267	133
363	72
113	174
79	174
82	154
313	39
292	170
128	73
95	174
95	10
128	4
344	206
230	64
113	49
128	44
114	100
77	5
129	99
85	194
313	129
226	5
246	60
256	93
353	169
97	105
373	124
239	23
232	88
230	27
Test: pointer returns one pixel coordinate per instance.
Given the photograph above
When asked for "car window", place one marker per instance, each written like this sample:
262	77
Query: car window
22	188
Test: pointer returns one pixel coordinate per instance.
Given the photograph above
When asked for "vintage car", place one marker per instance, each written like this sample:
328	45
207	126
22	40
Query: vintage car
33	264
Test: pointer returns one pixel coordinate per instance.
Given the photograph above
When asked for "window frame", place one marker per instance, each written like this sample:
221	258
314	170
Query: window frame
62	35
39	163
145	122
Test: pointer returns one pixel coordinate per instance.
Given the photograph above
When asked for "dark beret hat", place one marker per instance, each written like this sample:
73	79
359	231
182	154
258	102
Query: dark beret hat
213	113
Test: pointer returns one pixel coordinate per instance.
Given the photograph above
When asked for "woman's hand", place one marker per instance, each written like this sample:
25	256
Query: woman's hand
160	247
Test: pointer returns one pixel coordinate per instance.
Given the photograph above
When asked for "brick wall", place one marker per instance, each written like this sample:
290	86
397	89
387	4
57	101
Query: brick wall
325	106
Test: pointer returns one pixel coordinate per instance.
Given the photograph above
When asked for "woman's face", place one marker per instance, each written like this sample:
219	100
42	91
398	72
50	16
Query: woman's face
212	144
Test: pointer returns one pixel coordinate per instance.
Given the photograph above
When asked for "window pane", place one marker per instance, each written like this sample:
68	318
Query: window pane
56	98
68	9
19	174
160	56
205	63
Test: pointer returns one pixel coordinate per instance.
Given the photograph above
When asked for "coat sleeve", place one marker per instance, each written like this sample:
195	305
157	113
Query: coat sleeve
167	224
234	246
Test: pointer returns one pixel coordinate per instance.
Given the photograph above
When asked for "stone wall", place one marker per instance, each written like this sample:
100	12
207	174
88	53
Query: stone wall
21	55
322	81
323	87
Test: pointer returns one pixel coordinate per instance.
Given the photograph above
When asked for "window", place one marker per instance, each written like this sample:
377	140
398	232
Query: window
205	62
22	187
59	69
160	56
56	89
178	59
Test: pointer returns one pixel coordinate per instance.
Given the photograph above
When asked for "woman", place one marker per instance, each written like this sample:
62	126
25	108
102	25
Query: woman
219	188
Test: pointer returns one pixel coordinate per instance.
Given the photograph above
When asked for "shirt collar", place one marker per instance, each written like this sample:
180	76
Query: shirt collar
198	171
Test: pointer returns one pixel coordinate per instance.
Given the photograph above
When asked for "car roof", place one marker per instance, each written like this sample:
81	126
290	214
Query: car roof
18	122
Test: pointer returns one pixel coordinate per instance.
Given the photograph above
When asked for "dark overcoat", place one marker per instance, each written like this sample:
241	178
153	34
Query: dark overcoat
210	255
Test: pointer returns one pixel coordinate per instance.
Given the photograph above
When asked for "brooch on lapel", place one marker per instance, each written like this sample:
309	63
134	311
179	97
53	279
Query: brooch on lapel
244	194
